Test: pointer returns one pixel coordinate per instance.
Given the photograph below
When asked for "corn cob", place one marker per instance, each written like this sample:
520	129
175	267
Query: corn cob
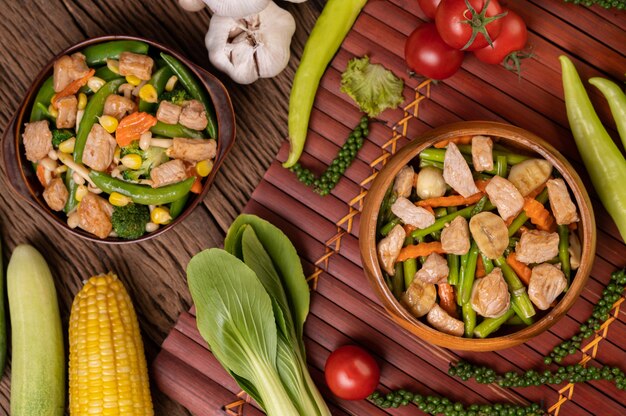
108	372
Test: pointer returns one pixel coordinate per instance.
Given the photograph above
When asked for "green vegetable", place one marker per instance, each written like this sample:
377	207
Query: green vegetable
3	319
188	80
409	270
152	157
104	73
501	165
93	110
397	281
490	325
467	282
72	187
617	102
96	55
522	217
453	266
158	81
178	206
175	130
38	358
386	229
142	194
480	206
59	136
331	28
566	268
130	220
177	96
520	302
487	263
469	319
373	87
42	101
441	222
604	162
607	4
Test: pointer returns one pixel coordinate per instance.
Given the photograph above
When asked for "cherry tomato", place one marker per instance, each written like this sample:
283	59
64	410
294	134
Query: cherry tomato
427	54
512	38
463	29
351	373
429	7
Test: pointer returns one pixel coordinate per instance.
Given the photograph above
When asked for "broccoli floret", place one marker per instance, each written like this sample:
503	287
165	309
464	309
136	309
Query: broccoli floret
132	148
176	96
130	221
59	136
152	157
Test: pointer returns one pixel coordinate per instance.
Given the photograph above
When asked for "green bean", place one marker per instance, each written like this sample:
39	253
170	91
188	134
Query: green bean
142	194
480	206
175	130
397	281
501	165
522	217
441	222
490	325
441	212
462	270
410	268
98	54
465	288
566	267
520	301
93	110
42	101
487	263
385	214
438	155
71	187
515	320
188	80
427	163
158	81
105	73
178	206
511	158
469	319
453	266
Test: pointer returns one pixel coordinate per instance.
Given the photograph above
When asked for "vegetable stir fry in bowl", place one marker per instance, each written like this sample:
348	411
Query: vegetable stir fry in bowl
122	136
477	237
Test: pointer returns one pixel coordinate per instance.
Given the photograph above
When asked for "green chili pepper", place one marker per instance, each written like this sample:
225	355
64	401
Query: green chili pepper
469	319
158	81
42	101
520	302
490	325
71	187
178	206
105	73
331	28
98	54
602	158
93	110
522	217
142	194
188	80
566	267
175	130
617	102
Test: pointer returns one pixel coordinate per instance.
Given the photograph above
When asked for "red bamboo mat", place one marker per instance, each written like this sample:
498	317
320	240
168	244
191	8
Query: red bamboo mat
344	309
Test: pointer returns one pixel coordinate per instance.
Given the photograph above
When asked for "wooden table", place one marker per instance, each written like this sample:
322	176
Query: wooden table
153	272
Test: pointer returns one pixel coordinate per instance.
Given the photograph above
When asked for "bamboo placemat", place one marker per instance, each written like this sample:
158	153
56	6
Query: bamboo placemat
325	229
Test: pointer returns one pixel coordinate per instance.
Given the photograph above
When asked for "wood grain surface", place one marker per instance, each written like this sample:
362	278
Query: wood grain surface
31	32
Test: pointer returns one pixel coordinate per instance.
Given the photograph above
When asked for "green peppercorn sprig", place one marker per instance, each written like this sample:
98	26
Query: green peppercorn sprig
329	179
577	373
601	312
436	405
607	4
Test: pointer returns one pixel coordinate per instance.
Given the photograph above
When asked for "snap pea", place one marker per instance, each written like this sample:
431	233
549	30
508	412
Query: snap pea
469	319
175	130
188	80
158	81
142	194
105	73
520	302
93	110
98	54
71	187
178	206
42	101
490	325
566	267
45	113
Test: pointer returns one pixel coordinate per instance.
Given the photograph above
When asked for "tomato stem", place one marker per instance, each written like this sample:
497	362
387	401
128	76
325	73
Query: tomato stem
479	22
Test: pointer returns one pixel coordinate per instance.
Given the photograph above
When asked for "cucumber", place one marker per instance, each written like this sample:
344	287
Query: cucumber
3	320
38	358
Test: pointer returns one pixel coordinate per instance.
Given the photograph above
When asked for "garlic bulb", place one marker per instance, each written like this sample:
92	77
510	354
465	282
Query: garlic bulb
253	47
236	8
192	5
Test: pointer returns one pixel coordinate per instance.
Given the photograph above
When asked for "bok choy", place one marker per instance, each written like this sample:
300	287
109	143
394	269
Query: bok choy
251	303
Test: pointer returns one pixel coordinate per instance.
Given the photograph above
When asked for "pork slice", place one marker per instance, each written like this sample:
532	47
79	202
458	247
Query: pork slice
403	184
455	237
192	150
443	322
136	64
456	172
68	69
505	196
193	115
434	270
482	153
168	173
563	208
411	214
537	246
118	106
168	113
389	248
56	194
547	282
94	214
67	107
99	148
37	139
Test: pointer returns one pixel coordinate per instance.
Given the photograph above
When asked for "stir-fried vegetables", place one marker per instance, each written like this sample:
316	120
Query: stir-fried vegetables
482	247
129	128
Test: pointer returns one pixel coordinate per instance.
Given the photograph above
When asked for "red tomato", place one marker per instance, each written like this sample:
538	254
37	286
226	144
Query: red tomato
512	38
429	7
351	373
462	29
427	54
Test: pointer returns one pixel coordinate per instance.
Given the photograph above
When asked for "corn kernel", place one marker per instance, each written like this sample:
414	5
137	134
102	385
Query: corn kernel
160	215
61	169
53	111
133	80
81	191
109	123
113	65
82	101
171	83
95	83
148	93
133	161
118	200
204	168
68	145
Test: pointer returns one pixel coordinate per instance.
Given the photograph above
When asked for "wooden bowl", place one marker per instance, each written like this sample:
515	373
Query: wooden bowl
23	179
512	137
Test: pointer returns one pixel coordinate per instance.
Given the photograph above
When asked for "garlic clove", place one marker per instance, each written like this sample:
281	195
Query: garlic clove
236	8
191	5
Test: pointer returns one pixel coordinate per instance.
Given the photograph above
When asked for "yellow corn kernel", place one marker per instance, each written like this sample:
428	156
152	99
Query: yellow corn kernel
171	83
109	123
82	101
68	145
81	191
148	93
204	167
95	83
53	111
133	80
113	65
108	373
160	215
118	200
133	161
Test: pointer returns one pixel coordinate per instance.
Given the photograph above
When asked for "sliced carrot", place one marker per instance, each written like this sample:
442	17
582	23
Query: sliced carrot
481	184
480	268
73	87
133	126
41	175
522	270
196	188
447	299
539	215
408	228
449	201
418	250
456	140
573	226
429	209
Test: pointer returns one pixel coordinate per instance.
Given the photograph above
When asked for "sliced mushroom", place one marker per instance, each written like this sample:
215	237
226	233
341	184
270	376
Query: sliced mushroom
429	183
490	295
530	174
547	282
411	214
575	251
457	173
563	207
443	322
419	298
505	196
434	270
537	246
389	248
455	237
490	233
403	185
